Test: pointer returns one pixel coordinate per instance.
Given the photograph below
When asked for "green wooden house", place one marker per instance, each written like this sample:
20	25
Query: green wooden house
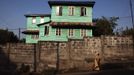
68	20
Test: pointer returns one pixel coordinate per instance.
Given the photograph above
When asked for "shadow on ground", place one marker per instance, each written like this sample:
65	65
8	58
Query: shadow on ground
122	65
6	66
114	72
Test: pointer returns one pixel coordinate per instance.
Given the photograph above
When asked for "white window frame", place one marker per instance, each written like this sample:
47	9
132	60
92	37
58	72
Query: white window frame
58	32
33	20
58	11
71	32
46	31
83	32
42	19
84	11
71	10
35	36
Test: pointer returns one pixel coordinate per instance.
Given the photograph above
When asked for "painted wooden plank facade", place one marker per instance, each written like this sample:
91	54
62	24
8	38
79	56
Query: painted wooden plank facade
60	27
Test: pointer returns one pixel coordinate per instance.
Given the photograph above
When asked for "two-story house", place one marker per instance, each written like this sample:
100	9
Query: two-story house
68	20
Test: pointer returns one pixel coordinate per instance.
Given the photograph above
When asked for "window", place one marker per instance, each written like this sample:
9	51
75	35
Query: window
35	36
71	32
42	19
71	11
58	31
46	30
59	11
83	32
33	20
83	11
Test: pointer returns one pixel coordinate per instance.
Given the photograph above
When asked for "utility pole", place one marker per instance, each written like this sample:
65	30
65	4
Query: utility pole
19	33
131	9
7	38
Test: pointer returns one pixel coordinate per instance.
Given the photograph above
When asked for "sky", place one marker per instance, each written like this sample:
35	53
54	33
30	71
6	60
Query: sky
12	11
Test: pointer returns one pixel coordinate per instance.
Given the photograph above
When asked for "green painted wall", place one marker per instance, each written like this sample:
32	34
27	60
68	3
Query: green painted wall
30	40
31	26
76	18
64	32
52	35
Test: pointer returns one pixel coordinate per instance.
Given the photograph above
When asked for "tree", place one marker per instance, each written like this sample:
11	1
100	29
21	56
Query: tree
23	40
105	26
128	31
7	36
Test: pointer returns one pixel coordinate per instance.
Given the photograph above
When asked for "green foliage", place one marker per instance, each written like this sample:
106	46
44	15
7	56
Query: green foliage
23	40
105	26
128	31
7	36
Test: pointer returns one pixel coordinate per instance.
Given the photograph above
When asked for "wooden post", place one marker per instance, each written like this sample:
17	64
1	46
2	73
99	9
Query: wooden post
38	49
8	52
102	48
35	60
57	63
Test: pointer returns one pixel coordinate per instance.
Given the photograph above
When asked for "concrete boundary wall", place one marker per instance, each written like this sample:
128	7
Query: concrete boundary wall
68	55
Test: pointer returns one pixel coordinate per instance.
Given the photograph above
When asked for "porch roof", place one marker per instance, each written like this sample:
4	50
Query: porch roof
43	23
73	24
31	32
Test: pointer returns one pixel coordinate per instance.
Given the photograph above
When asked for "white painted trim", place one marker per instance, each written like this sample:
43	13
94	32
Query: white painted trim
42	20
58	31
84	30
70	7
71	31
33	20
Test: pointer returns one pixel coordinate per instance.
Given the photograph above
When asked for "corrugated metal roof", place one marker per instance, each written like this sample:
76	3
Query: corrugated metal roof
75	3
34	15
